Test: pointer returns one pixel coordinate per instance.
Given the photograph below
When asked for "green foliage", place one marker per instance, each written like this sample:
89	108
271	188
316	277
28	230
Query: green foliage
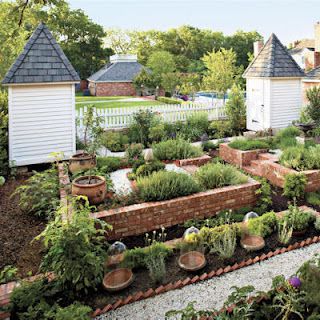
7	274
40	193
189	312
249	144
284	232
209	145
109	163
167	100
297	219
114	141
164	185
4	161
2	181
157	132
148	168
317	223
264	196
217	175
294	185
75	311
152	257
196	125
175	149
170	82
313	108
264	225
236	109
313	198
220	129
134	152
286	138
75	248
216	61
144	78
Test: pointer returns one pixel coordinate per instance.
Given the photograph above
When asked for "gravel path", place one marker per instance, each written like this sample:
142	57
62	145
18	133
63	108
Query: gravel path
213	292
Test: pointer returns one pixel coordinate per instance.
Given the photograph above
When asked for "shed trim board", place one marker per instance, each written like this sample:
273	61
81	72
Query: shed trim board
310	80
33	133
38	84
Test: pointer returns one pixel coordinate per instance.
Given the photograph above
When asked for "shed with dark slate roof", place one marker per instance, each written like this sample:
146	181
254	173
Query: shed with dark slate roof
116	77
41	86
273	81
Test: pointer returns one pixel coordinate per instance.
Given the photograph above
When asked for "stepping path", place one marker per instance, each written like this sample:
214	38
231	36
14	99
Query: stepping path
212	293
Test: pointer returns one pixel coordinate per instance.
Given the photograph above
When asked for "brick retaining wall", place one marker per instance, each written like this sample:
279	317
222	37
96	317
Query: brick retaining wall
140	218
238	157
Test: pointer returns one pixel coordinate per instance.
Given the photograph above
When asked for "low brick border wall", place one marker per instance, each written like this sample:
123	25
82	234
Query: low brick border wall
238	157
141	218
276	173
200	161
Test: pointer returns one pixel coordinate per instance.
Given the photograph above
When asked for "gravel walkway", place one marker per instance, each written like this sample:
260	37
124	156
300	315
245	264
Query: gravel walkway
213	292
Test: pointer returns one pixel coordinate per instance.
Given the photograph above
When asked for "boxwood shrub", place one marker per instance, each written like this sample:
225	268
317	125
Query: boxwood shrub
216	175
249	144
175	149
165	185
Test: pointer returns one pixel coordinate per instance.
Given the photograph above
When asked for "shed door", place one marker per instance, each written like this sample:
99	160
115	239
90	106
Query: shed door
255	104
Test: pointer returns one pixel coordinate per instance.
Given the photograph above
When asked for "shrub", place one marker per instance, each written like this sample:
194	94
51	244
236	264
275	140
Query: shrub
165	185
313	108
75	248
40	194
293	157
249	144
134	152
313	198
157	132
7	274
287	137
114	141
148	168
236	109
263	225
75	311
216	175
175	149
294	185
297	219
4	161
264	192
169	100
196	125
220	129
209	145
284	232
317	223
109	164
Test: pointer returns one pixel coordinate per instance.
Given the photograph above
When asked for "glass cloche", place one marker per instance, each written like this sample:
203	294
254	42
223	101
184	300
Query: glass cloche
115	253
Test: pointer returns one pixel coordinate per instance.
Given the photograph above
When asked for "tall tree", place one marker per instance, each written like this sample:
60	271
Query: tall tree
222	71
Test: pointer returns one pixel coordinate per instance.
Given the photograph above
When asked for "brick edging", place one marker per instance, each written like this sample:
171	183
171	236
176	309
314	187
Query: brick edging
205	276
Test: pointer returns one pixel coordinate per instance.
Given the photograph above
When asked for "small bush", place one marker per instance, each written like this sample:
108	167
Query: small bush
293	157
217	175
40	194
148	168
157	132
286	138
196	125
313	108
75	311
7	274
134	152
264	193
220	129
284	233
264	225
313	198
165	185
317	223
175	150
109	163
294	185
297	219
248	144
114	141
209	145
169	100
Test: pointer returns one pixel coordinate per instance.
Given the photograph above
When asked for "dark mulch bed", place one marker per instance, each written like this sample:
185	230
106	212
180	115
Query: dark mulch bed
17	231
142	281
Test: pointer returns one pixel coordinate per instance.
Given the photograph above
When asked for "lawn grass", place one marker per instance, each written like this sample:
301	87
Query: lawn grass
118	104
81	98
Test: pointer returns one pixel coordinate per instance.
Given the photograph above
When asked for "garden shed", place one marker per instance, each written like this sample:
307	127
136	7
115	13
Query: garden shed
41	88
274	93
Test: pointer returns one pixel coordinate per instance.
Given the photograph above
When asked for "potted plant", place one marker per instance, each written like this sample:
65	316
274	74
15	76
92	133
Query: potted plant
91	186
86	159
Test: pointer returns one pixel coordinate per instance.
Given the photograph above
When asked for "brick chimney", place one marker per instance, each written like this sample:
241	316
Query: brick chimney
257	46
317	45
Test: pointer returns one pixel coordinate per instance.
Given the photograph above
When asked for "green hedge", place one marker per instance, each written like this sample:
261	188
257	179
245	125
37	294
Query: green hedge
249	144
169	100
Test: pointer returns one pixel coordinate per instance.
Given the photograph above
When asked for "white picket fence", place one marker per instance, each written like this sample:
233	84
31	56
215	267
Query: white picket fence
121	117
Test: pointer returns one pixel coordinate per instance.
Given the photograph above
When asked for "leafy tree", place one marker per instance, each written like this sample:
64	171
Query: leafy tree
170	81
190	84
222	71
313	108
144	78
236	109
118	40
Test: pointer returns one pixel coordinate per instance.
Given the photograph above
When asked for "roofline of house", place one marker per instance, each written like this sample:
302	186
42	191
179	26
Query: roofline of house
110	81
276	78
38	83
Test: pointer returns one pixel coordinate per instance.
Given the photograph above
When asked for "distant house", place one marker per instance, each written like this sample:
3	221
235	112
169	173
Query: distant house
274	95
115	78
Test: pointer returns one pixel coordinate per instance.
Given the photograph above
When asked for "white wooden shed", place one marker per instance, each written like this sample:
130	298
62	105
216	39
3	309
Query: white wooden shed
274	92
41	88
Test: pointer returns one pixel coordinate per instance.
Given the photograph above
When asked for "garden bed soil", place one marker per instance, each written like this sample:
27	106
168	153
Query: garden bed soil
17	232
142	281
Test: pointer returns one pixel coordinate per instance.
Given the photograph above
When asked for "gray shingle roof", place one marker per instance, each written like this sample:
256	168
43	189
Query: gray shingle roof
117	72
314	74
42	60
273	61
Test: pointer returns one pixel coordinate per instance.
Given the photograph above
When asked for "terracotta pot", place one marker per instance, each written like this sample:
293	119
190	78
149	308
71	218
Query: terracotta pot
82	161
114	260
252	243
117	279
192	261
299	233
95	191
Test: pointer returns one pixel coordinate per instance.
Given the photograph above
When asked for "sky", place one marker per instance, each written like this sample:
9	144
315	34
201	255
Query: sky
288	19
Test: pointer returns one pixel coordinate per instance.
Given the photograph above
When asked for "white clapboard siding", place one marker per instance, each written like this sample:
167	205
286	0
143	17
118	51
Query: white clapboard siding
121	117
286	102
41	121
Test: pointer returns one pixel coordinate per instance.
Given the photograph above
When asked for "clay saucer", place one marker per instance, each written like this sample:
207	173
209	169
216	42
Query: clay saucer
192	261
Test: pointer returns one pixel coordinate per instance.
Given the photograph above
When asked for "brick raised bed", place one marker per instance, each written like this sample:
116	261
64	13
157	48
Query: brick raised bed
200	161
140	218
238	157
